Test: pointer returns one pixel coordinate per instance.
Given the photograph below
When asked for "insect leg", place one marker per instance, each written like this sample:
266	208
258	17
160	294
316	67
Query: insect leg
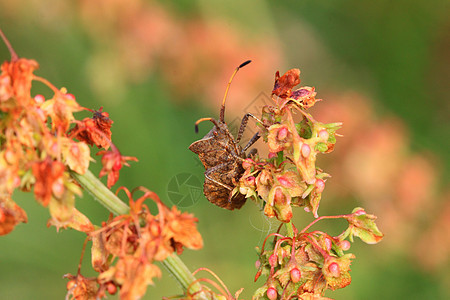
252	141
215	168
252	152
244	124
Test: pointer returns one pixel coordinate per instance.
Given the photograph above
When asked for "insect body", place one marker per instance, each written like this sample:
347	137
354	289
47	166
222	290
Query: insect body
222	157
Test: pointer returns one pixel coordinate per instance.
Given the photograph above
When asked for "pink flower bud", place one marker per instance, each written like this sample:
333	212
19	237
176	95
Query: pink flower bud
39	99
328	244
306	150
111	288
345	245
273	260
324	135
58	189
359	212
272	155
272	293
296	275
250	181
282	133
247	164
70	96
257	264
320	185
334	269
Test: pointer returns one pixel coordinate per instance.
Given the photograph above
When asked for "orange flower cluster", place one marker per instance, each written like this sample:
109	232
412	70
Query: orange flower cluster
289	176
301	264
32	154
38	148
308	263
39	151
133	242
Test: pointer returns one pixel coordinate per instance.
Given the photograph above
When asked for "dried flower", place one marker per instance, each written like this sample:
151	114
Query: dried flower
10	215
95	130
112	162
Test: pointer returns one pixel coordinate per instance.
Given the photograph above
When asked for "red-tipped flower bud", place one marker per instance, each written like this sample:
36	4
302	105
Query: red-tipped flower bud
70	96
360	212
306	150
39	99
247	164
334	269
324	135
273	260
345	245
111	287
296	275
257	264
282	133
250	181
328	244
58	188
320	185
272	293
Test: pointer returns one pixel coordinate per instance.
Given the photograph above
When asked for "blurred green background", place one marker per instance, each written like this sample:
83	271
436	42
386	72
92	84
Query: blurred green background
157	67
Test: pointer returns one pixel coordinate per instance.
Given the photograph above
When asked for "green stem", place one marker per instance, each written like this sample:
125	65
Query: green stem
108	199
178	269
172	263
289	229
100	192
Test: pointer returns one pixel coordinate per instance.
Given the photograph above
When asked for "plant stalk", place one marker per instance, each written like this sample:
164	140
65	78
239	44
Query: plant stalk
289	229
188	282
109	200
100	192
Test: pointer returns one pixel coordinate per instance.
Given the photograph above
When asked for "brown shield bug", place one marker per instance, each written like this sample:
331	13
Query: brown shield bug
222	157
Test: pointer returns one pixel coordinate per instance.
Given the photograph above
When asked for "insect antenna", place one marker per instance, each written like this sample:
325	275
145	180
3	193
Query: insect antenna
222	108
204	119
